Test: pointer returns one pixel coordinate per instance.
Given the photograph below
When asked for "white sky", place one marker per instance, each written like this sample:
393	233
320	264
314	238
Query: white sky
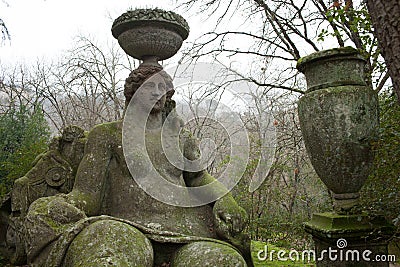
42	29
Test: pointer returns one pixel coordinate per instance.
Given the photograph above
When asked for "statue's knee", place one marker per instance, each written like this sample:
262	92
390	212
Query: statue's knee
109	242
208	254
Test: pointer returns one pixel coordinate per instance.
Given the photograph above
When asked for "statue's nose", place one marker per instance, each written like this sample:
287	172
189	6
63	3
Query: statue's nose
156	92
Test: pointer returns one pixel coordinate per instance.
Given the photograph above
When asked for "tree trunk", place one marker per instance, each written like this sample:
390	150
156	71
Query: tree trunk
386	20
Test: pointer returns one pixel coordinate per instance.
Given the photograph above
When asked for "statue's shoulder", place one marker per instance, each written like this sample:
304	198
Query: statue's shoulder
106	131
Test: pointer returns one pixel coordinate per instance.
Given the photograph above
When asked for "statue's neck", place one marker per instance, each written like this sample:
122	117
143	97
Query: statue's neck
154	121
143	119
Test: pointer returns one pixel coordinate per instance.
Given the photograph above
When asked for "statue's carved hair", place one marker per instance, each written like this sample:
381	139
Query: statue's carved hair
138	76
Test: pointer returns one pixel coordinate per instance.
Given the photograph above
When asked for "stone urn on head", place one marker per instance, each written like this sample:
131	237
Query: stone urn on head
150	35
339	121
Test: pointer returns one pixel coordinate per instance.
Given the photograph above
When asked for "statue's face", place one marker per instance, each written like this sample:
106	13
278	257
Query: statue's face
152	94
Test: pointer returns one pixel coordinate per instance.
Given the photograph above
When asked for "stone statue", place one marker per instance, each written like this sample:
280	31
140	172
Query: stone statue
91	207
108	219
53	172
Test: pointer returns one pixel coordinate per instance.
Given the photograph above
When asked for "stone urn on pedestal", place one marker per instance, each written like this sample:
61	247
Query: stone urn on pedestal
339	121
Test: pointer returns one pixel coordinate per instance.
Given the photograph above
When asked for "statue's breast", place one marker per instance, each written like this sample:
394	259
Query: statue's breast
124	197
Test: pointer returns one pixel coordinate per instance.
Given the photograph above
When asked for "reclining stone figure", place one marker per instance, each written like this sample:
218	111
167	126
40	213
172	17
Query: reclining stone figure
108	218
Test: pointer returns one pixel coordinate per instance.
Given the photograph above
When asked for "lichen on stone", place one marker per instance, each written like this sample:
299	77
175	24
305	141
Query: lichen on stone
343	51
139	16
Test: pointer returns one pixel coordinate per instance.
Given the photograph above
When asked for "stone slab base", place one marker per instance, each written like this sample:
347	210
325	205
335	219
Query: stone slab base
350	240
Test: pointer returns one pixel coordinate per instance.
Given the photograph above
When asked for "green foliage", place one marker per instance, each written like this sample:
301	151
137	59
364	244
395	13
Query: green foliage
24	134
290	193
381	190
356	20
354	24
380	195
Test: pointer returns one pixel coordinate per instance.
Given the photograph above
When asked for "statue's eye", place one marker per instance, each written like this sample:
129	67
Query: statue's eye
149	85
161	86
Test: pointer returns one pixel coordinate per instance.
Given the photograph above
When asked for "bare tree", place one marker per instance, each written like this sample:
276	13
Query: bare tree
5	35
206	118
16	88
86	87
4	31
290	191
275	34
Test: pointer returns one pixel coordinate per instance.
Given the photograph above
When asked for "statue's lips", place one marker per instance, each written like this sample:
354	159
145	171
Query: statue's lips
157	101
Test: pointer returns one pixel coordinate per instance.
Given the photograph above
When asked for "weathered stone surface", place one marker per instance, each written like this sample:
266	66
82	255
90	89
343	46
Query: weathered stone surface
122	197
108	242
53	172
339	125
149	40
333	67
339	122
349	238
48	218
107	218
135	17
154	33
207	254
335	226
62	230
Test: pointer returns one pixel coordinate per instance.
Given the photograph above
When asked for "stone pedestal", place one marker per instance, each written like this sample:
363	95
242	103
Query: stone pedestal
349	240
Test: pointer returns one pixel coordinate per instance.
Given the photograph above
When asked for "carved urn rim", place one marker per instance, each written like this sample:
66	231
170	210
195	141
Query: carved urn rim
345	52
150	17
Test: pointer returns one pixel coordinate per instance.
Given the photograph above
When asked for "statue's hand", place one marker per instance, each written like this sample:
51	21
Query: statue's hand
61	211
230	219
47	219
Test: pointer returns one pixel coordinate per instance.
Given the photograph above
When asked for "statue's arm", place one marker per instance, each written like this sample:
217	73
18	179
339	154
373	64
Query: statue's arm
90	180
230	218
202	177
199	178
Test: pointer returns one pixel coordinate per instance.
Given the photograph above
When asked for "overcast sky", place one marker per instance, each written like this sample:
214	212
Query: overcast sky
44	28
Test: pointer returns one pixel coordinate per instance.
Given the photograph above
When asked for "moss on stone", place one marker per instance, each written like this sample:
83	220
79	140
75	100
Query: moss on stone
343	51
55	212
106	129
112	243
139	16
333	225
338	125
207	254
